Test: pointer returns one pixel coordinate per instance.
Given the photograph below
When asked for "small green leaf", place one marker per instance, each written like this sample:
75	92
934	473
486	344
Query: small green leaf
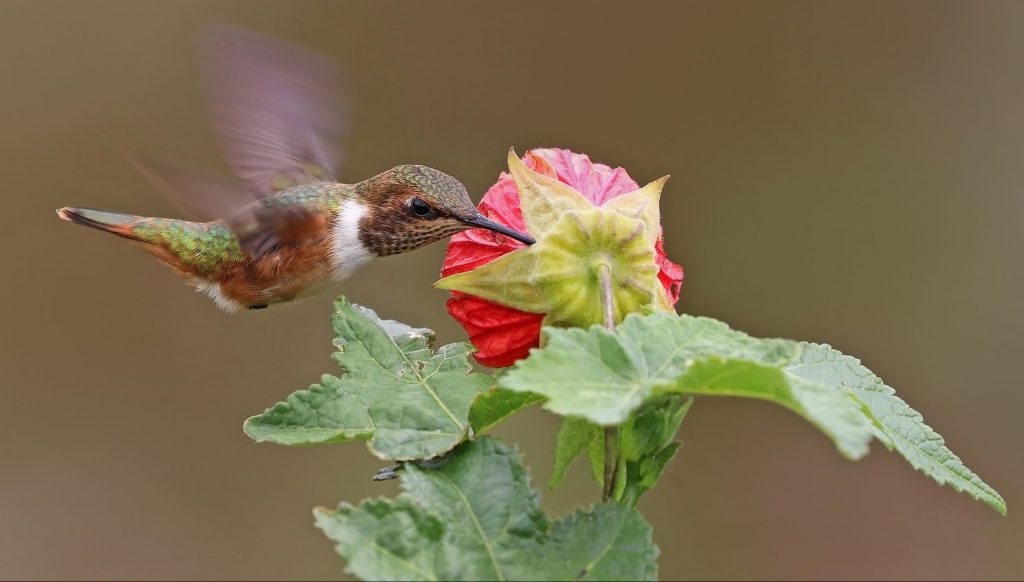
647	444
654	425
495	405
475	517
644	474
410	403
575	435
605	375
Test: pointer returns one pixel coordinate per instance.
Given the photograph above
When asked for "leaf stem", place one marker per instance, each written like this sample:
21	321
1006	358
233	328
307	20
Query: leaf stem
611	433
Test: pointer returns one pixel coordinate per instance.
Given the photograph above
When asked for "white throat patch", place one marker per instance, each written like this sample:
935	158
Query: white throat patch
348	251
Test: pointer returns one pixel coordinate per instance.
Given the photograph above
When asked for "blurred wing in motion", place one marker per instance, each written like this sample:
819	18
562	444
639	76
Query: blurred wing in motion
204	195
260	228
266	229
278	110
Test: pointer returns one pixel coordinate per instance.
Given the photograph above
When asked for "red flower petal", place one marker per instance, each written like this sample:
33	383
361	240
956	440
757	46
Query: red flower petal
670	274
597	182
501	334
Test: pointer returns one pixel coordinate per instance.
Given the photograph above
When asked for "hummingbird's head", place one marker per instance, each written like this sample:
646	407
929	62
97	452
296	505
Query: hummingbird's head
411	206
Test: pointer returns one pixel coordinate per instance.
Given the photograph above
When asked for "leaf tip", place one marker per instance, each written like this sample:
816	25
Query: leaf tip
247	428
320	511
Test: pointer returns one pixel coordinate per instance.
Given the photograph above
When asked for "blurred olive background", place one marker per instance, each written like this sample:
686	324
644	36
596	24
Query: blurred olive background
842	172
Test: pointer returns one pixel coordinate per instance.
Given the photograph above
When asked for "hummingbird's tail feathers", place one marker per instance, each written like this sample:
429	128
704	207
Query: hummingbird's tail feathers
113	222
160	237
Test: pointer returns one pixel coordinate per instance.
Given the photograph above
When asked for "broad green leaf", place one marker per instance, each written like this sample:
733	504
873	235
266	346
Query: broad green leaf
476	517
901	427
495	405
616	542
605	376
384	539
410	403
575	435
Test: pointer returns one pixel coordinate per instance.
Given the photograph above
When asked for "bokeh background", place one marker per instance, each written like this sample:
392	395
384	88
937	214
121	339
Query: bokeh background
842	172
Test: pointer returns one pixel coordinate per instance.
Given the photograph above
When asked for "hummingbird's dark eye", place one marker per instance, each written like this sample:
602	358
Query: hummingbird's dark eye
420	208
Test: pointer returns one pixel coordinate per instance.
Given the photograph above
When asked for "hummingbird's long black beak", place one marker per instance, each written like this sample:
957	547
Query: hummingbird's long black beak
480	221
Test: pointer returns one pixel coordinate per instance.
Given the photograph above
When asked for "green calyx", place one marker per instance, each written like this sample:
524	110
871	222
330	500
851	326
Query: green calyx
582	251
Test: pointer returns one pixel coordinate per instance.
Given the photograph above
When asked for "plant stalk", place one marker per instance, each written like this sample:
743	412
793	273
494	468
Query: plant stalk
611	433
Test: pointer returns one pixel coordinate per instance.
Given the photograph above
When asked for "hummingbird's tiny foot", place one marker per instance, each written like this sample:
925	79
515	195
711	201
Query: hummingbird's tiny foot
387	473
391	471
434	463
258	306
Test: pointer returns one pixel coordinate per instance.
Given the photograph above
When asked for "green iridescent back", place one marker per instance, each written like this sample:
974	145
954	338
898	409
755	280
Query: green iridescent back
210	247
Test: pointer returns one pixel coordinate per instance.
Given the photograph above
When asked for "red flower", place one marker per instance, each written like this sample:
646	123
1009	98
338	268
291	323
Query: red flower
502	334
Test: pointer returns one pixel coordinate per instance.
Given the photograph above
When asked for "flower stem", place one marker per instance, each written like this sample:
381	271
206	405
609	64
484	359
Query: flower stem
611	433
611	461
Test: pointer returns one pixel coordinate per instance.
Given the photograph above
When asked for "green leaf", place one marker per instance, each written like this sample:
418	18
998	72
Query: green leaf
575	435
606	375
644	474
475	517
410	403
647	444
615	540
654	425
397	539
901	427
495	405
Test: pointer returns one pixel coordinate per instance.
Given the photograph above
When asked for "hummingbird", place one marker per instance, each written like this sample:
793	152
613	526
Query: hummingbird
284	228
